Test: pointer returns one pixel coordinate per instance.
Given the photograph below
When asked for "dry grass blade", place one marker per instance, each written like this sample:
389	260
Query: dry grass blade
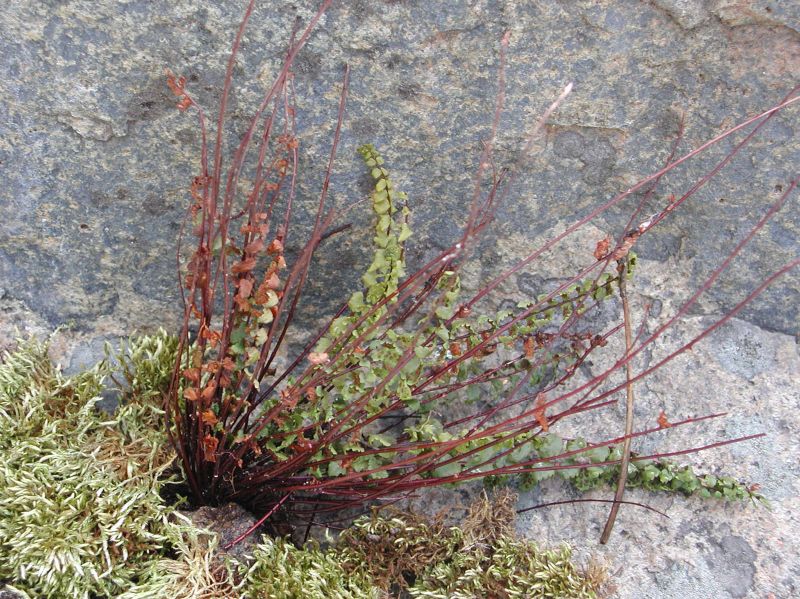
629	400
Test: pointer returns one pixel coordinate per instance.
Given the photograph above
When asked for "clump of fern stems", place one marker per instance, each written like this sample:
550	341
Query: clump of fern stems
359	414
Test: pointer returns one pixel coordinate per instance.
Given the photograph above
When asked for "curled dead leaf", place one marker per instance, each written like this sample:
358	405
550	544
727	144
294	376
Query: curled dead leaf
539	412
209	390
175	83
625	247
245	288
273	282
209	418
601	250
211	366
243	266
529	345
224	380
254	247
211	336
210	448
289	398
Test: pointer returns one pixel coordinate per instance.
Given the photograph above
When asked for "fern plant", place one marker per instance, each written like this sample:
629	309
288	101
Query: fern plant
360	413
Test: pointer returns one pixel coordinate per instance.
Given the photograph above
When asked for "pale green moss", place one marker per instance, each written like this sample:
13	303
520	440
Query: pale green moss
282	571
509	568
193	573
81	508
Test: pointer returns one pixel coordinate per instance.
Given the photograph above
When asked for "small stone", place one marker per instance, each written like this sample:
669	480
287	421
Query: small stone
228	522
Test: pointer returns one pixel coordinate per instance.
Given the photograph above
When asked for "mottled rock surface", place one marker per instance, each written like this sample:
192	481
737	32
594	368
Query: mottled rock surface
96	163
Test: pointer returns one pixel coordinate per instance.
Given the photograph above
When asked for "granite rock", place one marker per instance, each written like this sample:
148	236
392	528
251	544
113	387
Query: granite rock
228	522
97	160
96	165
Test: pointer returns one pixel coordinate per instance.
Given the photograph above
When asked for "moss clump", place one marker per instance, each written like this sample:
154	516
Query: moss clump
401	554
396	547
480	558
512	568
282	571
81	511
194	572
